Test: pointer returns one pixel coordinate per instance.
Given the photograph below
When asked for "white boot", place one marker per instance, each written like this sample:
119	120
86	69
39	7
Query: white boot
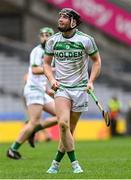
76	167
54	168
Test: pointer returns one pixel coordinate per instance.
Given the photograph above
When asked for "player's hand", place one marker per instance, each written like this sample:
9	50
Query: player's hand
50	92
54	85
90	86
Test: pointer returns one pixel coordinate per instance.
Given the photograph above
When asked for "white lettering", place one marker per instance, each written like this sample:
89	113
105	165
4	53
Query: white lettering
98	12
123	25
104	18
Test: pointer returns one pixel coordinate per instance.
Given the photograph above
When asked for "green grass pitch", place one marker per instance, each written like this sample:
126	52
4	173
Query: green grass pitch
109	159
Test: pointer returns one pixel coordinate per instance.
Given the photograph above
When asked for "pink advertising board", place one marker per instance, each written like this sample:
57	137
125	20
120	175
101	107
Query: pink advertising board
102	14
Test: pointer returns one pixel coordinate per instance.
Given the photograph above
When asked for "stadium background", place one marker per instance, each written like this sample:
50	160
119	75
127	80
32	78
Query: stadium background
109	21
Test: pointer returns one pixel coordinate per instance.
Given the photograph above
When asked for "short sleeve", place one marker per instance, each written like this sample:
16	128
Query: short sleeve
49	47
36	57
91	47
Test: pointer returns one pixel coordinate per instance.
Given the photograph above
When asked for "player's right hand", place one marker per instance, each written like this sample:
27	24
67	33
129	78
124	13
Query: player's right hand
54	85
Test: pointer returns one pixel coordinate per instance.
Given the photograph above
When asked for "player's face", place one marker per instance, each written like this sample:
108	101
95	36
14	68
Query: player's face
63	22
44	37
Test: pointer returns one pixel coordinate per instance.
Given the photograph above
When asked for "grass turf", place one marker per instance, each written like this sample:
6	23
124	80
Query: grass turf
109	159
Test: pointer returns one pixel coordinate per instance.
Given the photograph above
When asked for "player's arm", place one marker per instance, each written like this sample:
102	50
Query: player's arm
47	67
92	51
96	67
35	62
38	70
95	70
49	73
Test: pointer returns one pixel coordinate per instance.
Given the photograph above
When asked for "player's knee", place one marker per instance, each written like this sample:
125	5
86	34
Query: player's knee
63	125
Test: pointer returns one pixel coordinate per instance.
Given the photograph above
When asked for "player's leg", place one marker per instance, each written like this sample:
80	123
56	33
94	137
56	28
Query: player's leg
34	112
73	122
79	104
64	119
61	150
45	124
74	117
63	106
54	168
49	106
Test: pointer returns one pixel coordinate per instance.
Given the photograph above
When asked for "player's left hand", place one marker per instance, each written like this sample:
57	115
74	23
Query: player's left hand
90	86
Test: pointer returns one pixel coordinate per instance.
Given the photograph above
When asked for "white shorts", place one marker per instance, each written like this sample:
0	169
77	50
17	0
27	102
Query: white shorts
79	98
35	95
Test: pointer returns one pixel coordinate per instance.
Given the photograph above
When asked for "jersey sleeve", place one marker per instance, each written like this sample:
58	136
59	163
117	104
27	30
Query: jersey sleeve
35	58
49	47
91	47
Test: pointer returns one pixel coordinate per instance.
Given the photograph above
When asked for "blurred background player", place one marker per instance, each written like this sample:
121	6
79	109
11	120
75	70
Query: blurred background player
47	134
114	106
36	97
70	49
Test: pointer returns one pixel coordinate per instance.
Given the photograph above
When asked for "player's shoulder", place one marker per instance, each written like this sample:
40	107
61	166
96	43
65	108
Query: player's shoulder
55	36
36	49
83	35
